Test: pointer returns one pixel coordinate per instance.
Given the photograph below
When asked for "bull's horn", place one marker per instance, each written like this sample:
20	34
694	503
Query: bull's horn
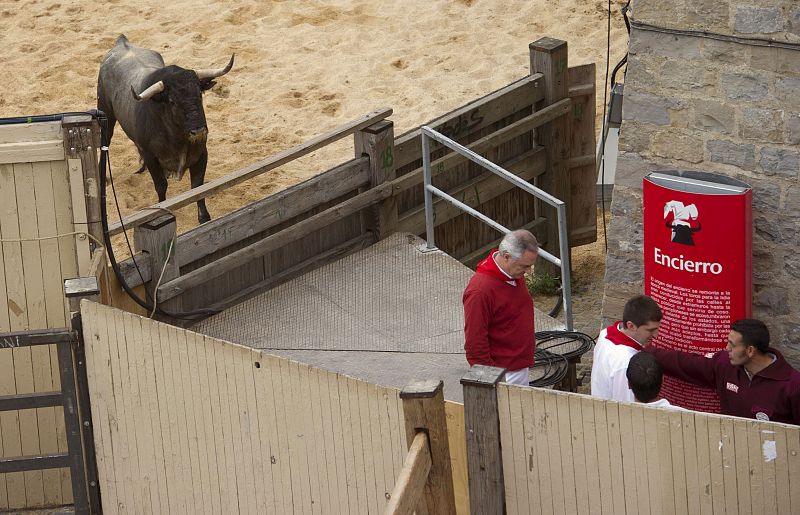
147	94
211	74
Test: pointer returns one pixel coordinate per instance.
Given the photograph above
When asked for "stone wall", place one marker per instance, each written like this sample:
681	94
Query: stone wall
730	107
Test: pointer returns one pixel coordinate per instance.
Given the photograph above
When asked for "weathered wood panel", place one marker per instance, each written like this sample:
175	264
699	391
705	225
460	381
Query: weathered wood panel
577	454
187	423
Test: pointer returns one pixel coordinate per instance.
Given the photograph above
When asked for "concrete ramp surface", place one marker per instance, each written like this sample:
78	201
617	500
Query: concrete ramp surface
389	314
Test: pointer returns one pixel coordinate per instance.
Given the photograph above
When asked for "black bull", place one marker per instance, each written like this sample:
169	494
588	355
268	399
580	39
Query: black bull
160	108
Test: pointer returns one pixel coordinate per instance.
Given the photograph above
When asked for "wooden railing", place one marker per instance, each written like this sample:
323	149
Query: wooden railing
379	192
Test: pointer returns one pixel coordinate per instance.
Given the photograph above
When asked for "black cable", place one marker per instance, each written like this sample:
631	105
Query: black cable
603	130
185	315
741	40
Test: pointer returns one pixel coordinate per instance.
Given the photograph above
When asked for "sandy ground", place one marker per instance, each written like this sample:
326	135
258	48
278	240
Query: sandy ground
301	68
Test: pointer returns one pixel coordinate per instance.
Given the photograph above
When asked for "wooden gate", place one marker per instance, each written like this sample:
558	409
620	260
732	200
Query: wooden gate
48	217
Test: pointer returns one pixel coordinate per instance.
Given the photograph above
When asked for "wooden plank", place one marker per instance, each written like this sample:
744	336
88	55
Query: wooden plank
7	419
281	393
703	452
749	467
140	414
366	446
244	491
628	458
268	433
540	418
550	57
31	131
32	151
768	453
382	485
189	392
230	426
308	428
729	470
79	217
340	487
355	428
16	319
688	453
397	432
714	446
167	487
253	170
583	178
117	416
567	459
248	496
127	392
639	431
536	474
33	278
673	479
262	475
793	453
584	431
514	477
782	485
297	458
98	369
473	117
43	371
177	469
408	491
148	376
323	437
62	206
615	445
603	458
456	434
553	425
653	463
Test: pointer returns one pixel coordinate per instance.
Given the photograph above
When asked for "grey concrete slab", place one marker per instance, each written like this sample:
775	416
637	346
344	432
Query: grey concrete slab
388	314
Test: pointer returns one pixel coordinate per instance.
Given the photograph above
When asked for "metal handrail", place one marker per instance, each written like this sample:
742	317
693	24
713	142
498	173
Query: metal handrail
429	190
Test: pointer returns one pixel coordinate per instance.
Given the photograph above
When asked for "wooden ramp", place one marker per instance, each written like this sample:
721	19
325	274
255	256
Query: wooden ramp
389	314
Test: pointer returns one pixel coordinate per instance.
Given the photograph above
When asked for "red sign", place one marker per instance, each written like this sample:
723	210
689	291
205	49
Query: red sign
697	266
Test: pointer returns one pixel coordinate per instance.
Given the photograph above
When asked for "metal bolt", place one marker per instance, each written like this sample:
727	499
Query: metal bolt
81	236
86	423
92	483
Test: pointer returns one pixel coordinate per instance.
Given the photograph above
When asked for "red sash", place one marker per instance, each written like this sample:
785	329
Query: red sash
617	337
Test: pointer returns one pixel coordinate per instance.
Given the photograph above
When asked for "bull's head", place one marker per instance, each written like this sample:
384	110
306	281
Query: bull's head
180	91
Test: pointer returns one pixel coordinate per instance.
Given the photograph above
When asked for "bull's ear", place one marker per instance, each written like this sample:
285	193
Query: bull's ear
206	84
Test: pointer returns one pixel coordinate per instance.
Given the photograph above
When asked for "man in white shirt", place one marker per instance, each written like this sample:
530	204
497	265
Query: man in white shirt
644	378
641	318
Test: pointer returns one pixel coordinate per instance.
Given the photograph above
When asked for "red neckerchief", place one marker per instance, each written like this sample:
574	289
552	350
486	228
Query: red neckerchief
617	337
489	267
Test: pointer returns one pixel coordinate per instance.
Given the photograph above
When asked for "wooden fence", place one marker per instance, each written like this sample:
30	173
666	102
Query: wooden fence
48	193
379	192
570	453
184	423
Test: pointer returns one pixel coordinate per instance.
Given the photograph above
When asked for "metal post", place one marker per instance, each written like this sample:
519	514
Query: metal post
566	285
426	173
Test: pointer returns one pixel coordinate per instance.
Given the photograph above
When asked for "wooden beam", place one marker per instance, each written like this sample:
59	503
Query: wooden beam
581	90
273	241
549	57
410	484
445	163
32	151
482	429
251	171
377	143
423	410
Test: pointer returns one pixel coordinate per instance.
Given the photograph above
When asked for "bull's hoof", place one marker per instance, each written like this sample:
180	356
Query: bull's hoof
141	169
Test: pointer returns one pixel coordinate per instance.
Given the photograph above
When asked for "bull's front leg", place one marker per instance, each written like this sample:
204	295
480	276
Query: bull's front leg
197	171
157	174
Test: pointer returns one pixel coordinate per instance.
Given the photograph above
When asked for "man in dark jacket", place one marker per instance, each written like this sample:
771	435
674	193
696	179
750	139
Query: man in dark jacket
752	379
498	309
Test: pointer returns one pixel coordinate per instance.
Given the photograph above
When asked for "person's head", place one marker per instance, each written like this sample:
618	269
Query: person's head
644	376
517	253
641	318
748	338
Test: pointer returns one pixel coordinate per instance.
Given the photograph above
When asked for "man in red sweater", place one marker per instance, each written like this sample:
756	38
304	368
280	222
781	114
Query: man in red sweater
498	309
752	379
